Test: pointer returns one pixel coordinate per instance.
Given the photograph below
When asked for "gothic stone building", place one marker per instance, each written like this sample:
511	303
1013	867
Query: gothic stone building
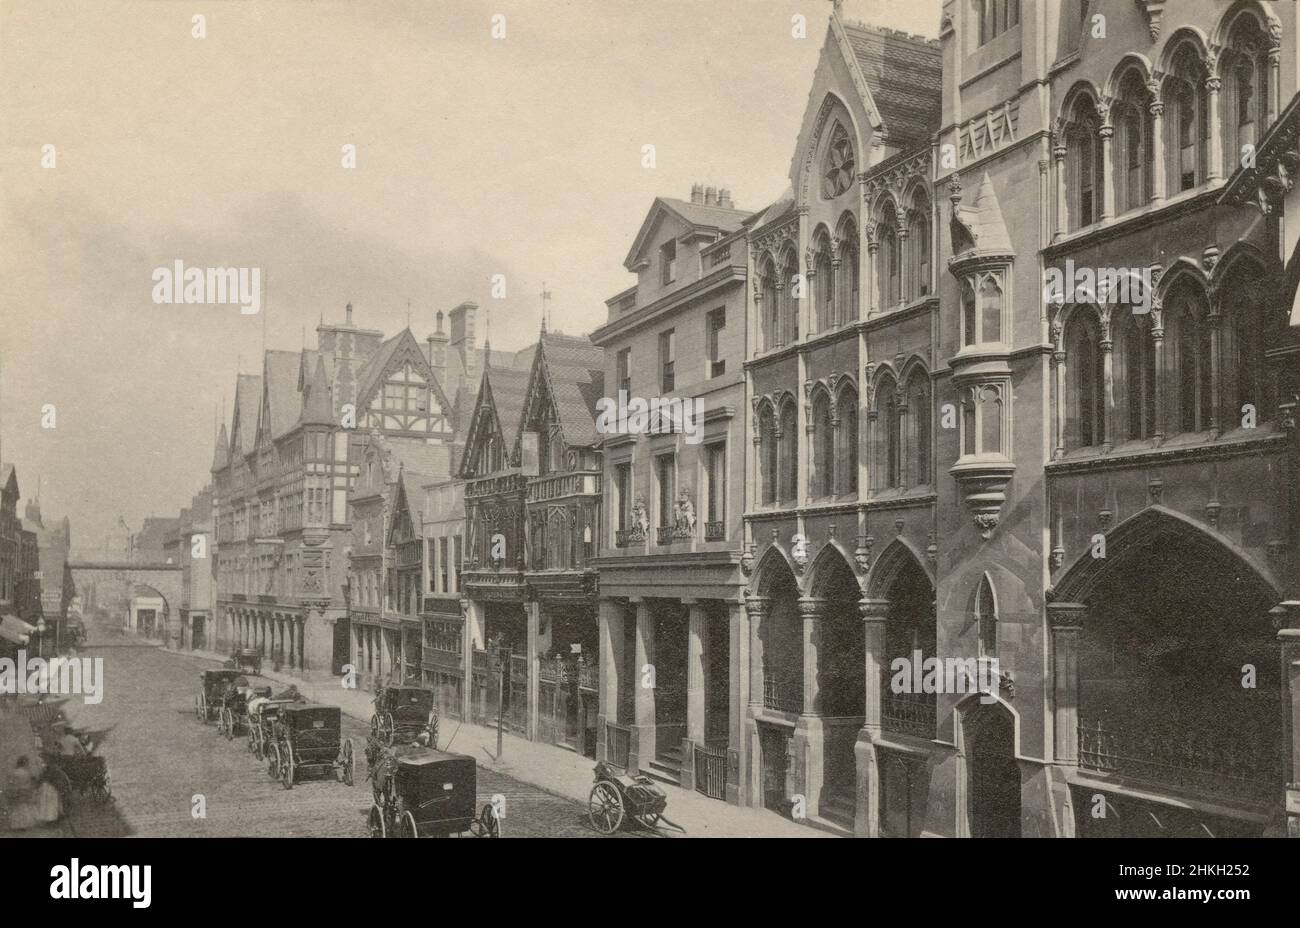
1093	489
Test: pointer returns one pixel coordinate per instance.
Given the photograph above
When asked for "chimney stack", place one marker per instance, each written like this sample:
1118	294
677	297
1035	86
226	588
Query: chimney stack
724	199
697	193
710	196
349	315
438	349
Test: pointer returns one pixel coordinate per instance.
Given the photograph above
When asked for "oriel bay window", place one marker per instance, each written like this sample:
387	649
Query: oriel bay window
981	309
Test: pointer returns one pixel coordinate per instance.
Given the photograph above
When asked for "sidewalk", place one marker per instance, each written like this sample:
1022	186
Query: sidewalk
556	770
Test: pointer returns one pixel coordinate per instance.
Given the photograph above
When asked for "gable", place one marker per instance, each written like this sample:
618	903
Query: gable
399	391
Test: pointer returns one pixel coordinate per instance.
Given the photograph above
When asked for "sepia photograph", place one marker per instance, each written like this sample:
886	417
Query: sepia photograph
597	419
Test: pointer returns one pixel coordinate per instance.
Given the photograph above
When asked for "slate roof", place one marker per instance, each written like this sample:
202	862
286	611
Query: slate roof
282	390
316	406
509	388
248	398
575	372
984	222
696	215
904	76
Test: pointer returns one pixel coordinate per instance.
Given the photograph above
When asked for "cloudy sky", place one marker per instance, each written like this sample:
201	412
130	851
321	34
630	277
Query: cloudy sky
475	156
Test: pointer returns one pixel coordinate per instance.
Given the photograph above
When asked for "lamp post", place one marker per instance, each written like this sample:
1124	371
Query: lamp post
40	637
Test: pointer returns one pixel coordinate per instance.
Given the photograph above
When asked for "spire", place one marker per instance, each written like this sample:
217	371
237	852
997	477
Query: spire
221	454
546	299
316	406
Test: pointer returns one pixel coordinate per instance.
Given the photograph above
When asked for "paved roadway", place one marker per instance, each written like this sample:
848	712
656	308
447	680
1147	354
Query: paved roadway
159	757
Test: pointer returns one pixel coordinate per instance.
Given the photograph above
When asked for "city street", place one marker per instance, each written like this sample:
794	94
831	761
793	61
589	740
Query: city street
160	758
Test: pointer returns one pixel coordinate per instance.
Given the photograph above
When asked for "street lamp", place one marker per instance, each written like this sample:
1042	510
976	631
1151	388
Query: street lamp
40	637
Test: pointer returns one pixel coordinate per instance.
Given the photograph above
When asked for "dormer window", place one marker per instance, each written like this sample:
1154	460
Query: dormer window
668	262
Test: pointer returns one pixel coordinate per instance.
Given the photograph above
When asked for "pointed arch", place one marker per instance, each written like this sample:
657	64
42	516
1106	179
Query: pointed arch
829	565
886	436
898	556
822	309
774	567
1192	36
822	434
1127	542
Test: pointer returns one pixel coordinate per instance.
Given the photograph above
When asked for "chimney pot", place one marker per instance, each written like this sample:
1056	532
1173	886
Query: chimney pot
710	196
697	193
349	311
724	198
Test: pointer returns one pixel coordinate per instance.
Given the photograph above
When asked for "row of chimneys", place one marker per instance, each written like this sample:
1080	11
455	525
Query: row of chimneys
711	196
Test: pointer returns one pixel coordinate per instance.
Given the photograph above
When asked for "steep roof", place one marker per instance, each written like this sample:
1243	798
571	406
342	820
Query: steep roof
282	391
221	454
573	369
982	228
401	346
509	389
695	215
904	76
248	399
316	406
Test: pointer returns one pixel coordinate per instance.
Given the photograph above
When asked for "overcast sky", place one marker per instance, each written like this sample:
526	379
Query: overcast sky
474	156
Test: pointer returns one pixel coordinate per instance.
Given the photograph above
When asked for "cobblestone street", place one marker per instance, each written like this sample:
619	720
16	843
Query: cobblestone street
160	758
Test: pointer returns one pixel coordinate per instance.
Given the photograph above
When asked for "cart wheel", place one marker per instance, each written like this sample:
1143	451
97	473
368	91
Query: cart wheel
388	729
376	823
62	785
409	828
348	772
287	771
228	724
273	762
491	824
605	808
101	791
252	741
374	723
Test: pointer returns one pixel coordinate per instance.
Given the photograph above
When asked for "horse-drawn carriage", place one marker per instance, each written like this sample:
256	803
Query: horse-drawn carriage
420	792
615	798
309	737
247	660
211	699
263	716
78	774
74	631
403	713
232	717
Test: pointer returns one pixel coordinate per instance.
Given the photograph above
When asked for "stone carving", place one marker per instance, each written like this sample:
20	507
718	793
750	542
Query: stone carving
684	517
640	520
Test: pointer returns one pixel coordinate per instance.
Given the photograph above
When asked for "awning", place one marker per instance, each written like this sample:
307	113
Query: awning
15	629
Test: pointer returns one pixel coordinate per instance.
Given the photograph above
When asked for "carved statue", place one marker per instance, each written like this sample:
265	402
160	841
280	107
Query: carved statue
684	513
640	519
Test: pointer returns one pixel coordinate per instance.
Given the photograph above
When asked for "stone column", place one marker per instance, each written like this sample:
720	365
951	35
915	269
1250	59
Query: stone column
695	658
1062	190
1157	108
738	701
757	610
1106	133
866	817
1066	621
1058	404
1158	352
1274	73
1215	321
643	741
1107	346
534	610
611	663
811	612
869	288
1286	619
1214	168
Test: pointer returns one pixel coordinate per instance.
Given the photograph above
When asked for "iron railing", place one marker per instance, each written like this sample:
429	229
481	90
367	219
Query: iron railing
618	744
711	770
715	531
909	713
782	695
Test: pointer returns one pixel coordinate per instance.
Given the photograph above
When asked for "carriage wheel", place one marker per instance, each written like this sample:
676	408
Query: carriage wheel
62	785
287	771
348	765
376	823
252	740
409	828
605	808
273	762
101	791
374	723
387	729
228	724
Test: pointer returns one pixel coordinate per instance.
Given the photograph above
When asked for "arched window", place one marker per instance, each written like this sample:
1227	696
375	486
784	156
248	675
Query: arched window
771	305
1084	164
1188	334
1244	337
1137	361
790	300
768	451
1133	124
846	291
887	435
986	618
918	427
846	459
990	310
1187	120
919	236
823	446
788	480
967	313
1246	64
824	288
837	167
889	258
1085	398
557	540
